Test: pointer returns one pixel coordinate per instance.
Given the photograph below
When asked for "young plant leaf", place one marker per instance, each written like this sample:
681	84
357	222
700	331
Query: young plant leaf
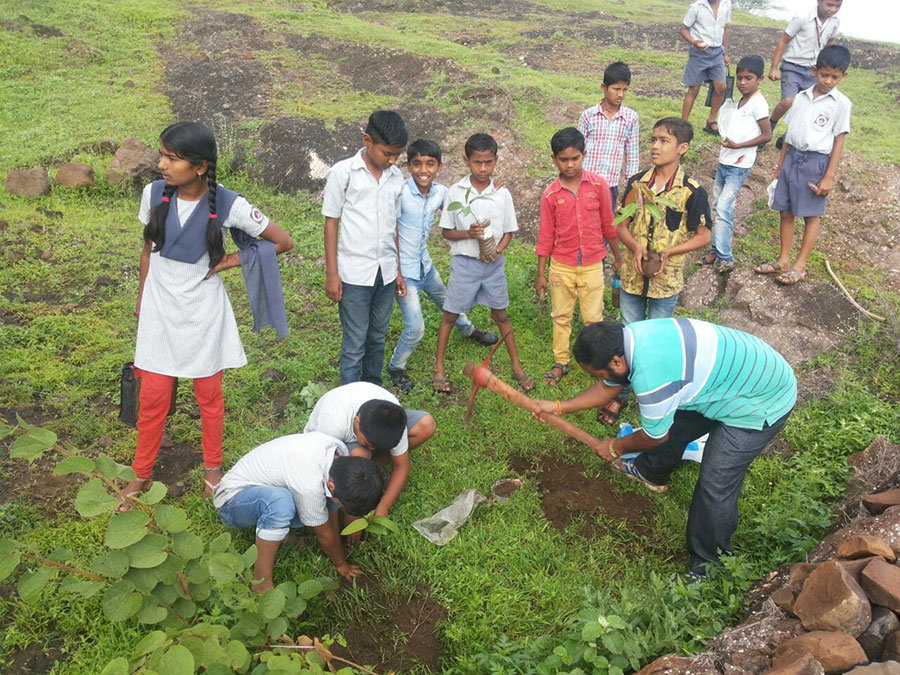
387	523
120	602
454	206
221	543
112	565
148	552
126	529
170	518
309	589
32	583
74	464
238	654
187	545
155	494
33	444
9	561
107	466
151	612
357	525
271	604
177	661
93	499
86	588
118	666
149	643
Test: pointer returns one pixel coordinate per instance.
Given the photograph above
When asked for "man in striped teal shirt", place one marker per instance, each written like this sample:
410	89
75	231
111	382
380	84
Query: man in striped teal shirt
690	378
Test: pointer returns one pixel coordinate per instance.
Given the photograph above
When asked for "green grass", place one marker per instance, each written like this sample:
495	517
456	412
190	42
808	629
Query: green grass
509	577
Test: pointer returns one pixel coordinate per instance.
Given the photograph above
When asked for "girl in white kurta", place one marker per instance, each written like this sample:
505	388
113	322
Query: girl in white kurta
186	327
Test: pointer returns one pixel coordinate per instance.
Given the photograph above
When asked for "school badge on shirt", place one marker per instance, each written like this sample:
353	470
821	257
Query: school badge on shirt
256	214
821	120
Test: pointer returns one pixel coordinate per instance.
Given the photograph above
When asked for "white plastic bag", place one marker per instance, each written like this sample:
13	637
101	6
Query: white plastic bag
771	192
442	526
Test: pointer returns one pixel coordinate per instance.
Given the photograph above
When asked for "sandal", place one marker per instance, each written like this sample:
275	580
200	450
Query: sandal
708	259
126	504
210	486
791	277
551	378
441	384
769	268
711	128
725	267
608	414
524	381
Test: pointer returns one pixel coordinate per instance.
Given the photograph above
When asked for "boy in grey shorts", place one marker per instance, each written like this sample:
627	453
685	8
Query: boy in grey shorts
476	278
817	128
800	44
705	28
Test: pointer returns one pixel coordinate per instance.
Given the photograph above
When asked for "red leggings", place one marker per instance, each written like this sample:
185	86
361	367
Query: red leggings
155	398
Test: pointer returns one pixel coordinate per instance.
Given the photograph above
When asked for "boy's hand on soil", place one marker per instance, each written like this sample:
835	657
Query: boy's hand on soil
334	289
348	571
354	539
602	449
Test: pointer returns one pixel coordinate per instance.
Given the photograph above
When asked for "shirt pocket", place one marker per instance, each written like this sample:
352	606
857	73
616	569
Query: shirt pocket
673	218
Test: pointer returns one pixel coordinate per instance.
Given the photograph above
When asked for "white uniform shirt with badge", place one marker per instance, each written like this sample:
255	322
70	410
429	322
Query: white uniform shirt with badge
740	124
808	37
706	27
333	413
813	123
495	206
299	463
186	326
368	211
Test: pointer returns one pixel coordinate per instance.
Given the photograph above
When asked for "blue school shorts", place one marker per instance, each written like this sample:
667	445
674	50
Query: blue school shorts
704	65
795	79
792	193
473	282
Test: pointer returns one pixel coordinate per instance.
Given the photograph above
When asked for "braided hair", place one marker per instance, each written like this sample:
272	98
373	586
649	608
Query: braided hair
194	142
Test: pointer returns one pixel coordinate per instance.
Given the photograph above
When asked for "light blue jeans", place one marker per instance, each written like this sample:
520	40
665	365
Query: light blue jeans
729	180
414	322
640	307
270	510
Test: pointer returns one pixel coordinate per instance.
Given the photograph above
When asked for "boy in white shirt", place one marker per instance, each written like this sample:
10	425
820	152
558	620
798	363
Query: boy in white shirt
817	128
705	28
744	127
361	203
296	481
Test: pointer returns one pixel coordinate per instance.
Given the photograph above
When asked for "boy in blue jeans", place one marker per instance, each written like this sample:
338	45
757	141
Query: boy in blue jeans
361	203
301	480
744	127
817	128
420	206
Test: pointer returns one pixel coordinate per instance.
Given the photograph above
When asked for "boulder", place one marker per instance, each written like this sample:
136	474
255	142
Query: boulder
837	652
855	567
134	161
892	647
884	622
784	599
863	545
676	665
885	525
832	601
75	175
749	646
880	501
28	182
885	668
703	288
797	663
882	583
874	469
799	574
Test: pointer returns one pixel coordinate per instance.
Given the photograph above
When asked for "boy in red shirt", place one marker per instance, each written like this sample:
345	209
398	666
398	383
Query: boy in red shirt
576	216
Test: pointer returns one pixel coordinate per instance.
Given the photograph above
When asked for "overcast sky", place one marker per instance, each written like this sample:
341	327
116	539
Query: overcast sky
867	19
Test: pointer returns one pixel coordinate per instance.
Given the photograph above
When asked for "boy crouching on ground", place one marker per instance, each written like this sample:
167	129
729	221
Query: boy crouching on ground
576	218
476	278
295	481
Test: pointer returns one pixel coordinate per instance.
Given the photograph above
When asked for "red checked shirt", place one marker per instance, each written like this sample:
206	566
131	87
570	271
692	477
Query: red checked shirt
571	223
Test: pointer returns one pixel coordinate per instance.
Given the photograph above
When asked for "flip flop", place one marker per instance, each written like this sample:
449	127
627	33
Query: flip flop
441	384
709	128
608	416
524	381
769	268
551	378
791	277
707	260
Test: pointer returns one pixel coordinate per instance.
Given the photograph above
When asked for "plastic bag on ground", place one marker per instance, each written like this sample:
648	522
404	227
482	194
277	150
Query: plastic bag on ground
443	525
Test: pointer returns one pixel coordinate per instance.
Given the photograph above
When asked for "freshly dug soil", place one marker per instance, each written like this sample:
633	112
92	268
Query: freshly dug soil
504	488
652	264
568	494
404	636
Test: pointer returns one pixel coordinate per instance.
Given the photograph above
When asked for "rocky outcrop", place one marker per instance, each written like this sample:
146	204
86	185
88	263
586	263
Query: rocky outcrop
28	182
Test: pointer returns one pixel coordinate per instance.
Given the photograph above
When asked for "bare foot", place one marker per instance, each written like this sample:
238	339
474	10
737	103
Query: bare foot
212	479
133	489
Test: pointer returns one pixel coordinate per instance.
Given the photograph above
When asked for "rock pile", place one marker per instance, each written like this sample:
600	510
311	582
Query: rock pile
837	613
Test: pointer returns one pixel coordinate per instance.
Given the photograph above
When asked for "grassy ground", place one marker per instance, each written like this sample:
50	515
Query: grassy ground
69	285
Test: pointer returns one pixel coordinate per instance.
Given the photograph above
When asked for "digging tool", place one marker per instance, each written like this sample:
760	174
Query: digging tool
482	377
486	364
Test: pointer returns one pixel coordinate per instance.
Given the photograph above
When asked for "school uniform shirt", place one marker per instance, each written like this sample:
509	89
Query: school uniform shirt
299	463
721	373
808	37
739	123
368	210
813	123
496	206
186	326
679	225
418	213
576	223
703	25
608	143
333	413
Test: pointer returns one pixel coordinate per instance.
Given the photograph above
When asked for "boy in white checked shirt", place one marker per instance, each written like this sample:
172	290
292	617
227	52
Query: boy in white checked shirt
611	131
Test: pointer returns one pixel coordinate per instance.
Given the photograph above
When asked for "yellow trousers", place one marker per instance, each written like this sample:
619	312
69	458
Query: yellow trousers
567	282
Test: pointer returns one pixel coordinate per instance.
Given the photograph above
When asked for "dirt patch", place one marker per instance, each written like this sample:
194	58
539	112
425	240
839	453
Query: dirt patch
567	495
212	74
23	24
402	633
509	10
173	465
35	658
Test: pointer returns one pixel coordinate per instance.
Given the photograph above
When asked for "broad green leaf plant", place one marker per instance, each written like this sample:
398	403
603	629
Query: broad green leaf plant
197	598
